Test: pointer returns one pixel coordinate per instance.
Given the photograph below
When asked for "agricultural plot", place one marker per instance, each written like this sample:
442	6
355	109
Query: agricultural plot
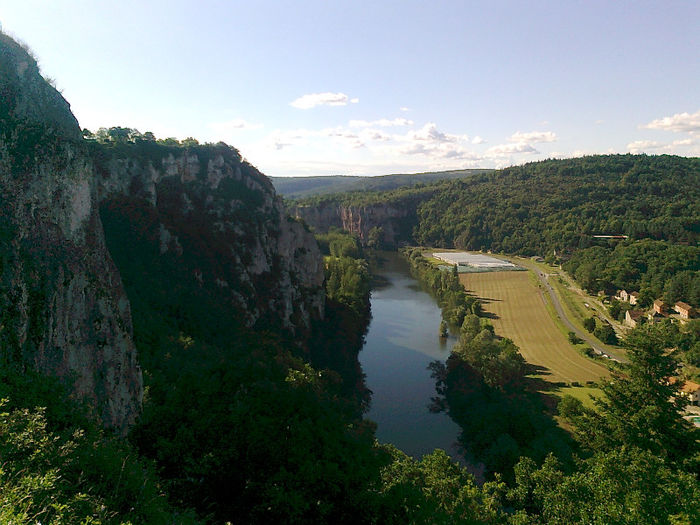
518	312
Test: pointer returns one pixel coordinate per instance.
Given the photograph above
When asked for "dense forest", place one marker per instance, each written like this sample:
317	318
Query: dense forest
552	205
560	205
655	269
557	208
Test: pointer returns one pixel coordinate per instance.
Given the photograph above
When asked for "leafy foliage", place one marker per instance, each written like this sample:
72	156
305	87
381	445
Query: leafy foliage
623	486
444	286
72	473
641	406
650	267
435	490
560	204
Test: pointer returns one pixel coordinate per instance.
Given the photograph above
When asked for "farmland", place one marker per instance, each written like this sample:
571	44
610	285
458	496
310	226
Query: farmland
518	311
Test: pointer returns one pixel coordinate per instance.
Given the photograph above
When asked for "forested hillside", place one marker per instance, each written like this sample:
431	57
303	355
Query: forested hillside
653	268
538	208
302	187
594	210
561	204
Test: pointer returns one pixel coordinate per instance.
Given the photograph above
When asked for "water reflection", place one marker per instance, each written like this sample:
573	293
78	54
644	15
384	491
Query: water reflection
402	340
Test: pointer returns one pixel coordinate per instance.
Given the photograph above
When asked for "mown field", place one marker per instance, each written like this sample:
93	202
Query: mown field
519	313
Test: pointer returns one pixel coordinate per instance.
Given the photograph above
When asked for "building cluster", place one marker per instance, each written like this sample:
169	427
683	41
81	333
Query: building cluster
660	310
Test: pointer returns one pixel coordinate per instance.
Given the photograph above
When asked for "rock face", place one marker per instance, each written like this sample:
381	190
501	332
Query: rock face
63	310
219	219
396	220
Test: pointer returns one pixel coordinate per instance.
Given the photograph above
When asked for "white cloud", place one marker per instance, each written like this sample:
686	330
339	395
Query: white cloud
430	142
639	146
430	132
683	142
385	123
510	149
404	108
227	127
533	137
680	123
323	99
369	134
373	146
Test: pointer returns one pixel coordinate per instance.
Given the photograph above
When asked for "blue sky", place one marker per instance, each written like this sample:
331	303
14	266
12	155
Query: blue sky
375	87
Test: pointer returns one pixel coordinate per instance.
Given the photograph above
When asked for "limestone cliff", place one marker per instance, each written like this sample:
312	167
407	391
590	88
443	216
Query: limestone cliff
396	219
218	219
63	310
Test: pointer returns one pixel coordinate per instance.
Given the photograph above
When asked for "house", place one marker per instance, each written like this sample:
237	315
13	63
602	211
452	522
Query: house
633	317
689	390
624	295
659	307
684	310
634	297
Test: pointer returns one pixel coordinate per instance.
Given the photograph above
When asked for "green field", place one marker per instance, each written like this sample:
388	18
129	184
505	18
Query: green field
520	313
582	393
576	303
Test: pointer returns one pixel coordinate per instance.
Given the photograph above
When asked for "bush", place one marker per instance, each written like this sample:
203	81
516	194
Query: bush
573	338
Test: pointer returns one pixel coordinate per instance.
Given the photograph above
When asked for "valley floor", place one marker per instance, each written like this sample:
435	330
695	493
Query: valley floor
518	311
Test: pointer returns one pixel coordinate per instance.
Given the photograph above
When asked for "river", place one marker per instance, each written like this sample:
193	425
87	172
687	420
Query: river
401	341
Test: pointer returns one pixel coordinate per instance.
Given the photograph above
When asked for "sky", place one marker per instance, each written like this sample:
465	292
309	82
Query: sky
312	87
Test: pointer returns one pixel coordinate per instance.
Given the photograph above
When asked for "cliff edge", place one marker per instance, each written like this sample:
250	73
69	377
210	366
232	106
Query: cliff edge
63	310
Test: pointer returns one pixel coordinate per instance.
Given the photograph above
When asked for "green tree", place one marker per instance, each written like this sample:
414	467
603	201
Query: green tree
435	490
626	486
72	476
605	333
444	332
375	238
573	338
641	406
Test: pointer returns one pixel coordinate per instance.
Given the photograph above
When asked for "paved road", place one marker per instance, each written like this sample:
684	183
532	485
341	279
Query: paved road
594	344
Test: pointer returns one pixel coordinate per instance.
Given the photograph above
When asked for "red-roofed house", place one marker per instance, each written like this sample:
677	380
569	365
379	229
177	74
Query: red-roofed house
691	391
684	310
633	317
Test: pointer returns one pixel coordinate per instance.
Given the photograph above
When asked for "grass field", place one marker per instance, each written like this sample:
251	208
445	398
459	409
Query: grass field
519	313
576	304
582	393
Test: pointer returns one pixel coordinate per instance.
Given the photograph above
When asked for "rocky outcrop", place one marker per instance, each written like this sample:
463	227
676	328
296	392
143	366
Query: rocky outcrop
220	220
395	220
63	310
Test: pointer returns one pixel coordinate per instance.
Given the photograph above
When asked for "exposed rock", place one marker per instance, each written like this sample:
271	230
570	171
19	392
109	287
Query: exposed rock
395	219
212	207
63	310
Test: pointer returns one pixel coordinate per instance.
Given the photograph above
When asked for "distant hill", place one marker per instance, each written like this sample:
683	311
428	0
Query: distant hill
301	187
